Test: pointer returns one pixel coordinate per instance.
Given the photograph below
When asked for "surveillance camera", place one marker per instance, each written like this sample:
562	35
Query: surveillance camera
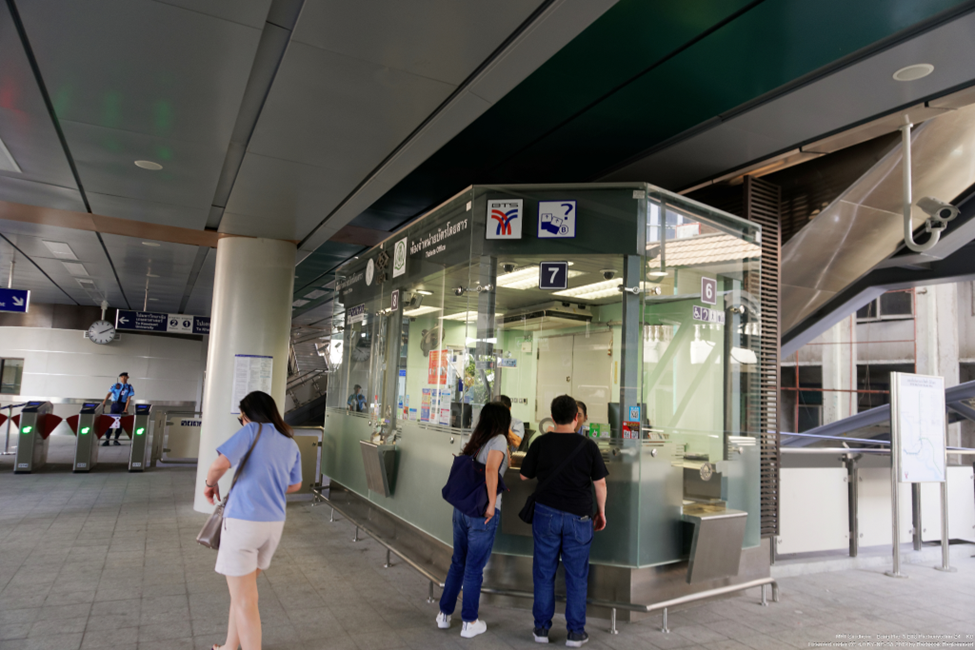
608	274
508	267
938	209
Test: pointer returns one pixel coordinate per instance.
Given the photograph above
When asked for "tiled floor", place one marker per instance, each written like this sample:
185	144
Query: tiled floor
108	560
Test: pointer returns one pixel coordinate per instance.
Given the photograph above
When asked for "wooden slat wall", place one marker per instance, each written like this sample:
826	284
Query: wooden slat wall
762	204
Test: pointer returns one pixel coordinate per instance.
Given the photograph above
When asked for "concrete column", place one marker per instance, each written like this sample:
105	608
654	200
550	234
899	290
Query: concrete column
252	294
937	339
840	370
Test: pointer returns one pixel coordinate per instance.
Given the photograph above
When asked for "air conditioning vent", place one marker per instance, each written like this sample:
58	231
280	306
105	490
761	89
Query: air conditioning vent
547	316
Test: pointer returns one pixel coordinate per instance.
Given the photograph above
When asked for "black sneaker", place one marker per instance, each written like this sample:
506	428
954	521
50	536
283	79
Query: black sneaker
540	634
118	444
576	639
106	443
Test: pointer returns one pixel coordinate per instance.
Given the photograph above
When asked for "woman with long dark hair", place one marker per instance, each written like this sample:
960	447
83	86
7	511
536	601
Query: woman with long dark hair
474	536
254	518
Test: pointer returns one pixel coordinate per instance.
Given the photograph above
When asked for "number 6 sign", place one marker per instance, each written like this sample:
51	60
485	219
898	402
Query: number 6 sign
553	275
709	291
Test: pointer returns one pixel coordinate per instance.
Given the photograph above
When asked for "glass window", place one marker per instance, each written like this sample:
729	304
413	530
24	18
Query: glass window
897	304
11	375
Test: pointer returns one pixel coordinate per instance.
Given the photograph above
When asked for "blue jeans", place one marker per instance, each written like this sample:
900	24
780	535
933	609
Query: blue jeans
557	533
473	541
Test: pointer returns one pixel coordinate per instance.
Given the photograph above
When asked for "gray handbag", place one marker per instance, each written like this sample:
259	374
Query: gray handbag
209	535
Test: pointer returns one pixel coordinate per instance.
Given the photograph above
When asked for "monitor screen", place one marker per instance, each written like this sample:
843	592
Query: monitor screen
142	408
90	405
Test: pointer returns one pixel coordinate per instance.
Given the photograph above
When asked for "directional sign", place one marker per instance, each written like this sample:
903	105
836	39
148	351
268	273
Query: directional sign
147	321
553	275
17	300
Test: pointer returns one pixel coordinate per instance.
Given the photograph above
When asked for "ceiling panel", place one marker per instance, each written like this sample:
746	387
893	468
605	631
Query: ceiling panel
439	39
201	298
333	111
278	198
106	163
246	12
17	190
149	212
142	66
136	263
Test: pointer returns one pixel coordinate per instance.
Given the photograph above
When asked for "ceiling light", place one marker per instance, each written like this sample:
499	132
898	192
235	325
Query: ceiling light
7	162
657	274
526	278
468	316
150	243
148	164
313	295
75	268
914	72
86	283
593	291
60	250
423	292
419	311
299	303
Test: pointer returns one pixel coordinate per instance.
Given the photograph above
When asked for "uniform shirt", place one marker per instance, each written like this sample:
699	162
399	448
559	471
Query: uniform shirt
357	402
274	465
121	392
497	443
571	490
518	427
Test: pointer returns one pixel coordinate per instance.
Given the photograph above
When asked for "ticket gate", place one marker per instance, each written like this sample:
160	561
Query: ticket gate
86	443
139	428
35	423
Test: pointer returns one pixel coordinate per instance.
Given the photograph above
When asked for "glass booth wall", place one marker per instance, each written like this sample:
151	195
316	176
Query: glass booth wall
615	326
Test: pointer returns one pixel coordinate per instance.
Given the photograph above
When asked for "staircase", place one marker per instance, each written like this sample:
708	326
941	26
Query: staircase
307	386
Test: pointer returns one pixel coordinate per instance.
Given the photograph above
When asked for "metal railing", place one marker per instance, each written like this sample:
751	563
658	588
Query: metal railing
613	606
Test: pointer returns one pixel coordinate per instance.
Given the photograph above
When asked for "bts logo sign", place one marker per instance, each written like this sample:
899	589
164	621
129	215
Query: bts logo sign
504	219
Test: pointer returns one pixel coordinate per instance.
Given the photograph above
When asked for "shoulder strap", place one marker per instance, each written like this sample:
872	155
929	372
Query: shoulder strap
565	463
240	468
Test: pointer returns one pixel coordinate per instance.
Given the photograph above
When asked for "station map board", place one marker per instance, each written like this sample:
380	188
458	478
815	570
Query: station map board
918	427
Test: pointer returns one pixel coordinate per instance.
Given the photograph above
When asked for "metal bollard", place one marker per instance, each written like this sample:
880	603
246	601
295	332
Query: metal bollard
331	516
355	537
764	595
388	563
664	628
612	622
430	598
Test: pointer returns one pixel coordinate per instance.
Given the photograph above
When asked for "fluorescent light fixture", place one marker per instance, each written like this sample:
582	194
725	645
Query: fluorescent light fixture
299	303
475	341
150	243
7	162
148	164
314	295
593	291
419	311
76	268
60	250
86	283
657	274
423	292
526	278
468	316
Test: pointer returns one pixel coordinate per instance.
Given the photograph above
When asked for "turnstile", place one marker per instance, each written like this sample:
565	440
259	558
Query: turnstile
141	434
35	423
86	443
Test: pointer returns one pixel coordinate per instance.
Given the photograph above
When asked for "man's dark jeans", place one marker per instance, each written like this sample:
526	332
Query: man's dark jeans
561	534
473	541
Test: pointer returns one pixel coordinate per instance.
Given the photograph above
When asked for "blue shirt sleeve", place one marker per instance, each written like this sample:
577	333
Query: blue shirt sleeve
296	468
236	447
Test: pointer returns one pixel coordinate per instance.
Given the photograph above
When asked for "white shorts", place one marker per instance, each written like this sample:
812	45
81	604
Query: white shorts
246	546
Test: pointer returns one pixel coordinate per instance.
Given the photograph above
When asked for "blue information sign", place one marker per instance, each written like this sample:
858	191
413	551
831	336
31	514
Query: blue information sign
148	321
16	300
553	275
634	413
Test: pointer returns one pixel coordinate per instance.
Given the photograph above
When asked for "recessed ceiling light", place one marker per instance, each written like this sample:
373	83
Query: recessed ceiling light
419	311
150	243
60	250
75	268
914	72
148	164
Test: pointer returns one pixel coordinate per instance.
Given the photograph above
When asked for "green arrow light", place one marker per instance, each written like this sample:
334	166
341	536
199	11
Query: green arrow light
27	429
140	431
85	430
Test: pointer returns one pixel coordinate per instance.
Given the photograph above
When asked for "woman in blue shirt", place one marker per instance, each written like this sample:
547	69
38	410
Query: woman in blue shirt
254	518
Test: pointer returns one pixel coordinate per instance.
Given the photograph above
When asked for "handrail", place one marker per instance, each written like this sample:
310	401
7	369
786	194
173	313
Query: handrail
868	441
961	451
609	604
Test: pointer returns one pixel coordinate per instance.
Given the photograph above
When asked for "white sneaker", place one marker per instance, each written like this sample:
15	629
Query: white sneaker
443	620
472	629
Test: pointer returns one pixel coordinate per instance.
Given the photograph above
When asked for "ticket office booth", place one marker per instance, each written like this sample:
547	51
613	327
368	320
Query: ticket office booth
641	303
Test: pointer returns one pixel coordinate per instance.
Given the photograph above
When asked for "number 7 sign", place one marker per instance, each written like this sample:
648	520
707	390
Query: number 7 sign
553	275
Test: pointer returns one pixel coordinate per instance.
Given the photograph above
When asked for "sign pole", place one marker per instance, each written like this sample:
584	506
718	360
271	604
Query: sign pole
895	518
10	278
945	556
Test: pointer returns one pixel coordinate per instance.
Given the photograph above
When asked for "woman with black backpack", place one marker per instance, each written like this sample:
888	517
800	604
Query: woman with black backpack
474	536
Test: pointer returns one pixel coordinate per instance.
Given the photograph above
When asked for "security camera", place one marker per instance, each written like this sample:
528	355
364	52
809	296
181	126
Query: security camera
608	274
508	267
459	291
938	209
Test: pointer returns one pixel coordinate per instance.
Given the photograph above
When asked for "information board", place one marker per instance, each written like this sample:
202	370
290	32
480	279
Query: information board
251	372
917	419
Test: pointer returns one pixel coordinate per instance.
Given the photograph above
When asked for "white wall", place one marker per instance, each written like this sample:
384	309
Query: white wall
62	364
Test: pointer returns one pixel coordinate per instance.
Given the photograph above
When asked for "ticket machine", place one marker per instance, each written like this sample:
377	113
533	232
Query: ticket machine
35	422
86	444
139	429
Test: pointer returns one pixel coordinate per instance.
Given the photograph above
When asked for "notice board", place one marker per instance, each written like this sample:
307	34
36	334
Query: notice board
251	372
917	422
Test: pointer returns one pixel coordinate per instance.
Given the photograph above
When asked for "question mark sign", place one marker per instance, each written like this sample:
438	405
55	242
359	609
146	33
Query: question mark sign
568	208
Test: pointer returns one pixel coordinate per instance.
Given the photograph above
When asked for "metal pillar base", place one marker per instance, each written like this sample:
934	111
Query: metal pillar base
331	516
663	625
764	595
947	569
388	562
896	574
355	538
430	599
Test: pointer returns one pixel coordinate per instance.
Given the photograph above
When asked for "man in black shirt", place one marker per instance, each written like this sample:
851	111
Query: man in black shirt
564	522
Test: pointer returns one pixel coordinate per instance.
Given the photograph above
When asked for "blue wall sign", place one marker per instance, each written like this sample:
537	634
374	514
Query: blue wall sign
15	300
553	275
634	412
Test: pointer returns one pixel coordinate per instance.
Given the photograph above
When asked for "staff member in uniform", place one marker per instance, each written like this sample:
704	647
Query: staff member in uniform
357	401
121	393
517	431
